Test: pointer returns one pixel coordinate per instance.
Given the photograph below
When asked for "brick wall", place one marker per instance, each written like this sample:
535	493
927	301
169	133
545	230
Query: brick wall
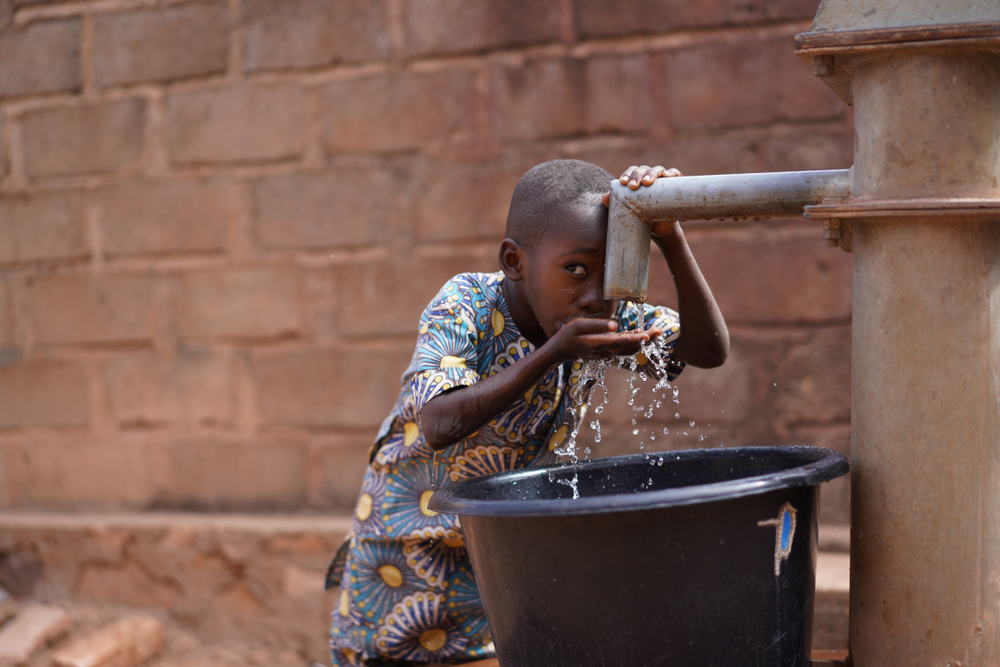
219	222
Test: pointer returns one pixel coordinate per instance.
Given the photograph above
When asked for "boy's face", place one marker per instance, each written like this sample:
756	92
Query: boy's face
564	272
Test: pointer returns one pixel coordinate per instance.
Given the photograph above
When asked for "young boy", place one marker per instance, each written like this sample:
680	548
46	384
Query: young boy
496	365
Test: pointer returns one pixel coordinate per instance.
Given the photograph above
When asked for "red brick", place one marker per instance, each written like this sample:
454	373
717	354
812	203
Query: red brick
144	45
226	475
763	275
348	387
609	18
744	84
42	57
247	303
693	153
84	309
810	149
619	98
543	99
450	26
43	393
312	33
337	466
186	387
412	283
337	207
814	379
92	138
557	97
397	112
461	200
251	122
167	216
42	227
73	472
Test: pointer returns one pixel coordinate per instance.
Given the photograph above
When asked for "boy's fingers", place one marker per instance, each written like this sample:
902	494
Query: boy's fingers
670	173
625	175
606	198
614	341
585	326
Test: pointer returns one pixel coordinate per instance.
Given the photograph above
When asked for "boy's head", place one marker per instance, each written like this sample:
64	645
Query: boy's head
546	192
553	255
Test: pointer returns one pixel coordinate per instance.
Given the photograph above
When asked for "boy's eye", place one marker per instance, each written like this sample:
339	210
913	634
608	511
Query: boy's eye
577	269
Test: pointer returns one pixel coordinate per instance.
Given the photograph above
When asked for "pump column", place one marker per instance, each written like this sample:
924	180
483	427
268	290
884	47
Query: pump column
925	444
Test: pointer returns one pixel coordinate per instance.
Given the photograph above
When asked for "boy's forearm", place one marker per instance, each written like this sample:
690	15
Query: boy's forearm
704	339
453	415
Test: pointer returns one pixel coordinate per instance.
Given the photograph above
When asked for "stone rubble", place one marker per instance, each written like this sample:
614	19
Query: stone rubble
30	630
126	643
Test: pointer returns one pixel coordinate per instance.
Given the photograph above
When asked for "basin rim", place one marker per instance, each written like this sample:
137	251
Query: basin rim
823	465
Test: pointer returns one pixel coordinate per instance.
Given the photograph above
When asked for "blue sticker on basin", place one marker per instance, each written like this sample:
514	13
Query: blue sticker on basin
784	533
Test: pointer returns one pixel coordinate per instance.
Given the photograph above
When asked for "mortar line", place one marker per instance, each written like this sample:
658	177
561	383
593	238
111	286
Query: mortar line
26	15
237	32
88	66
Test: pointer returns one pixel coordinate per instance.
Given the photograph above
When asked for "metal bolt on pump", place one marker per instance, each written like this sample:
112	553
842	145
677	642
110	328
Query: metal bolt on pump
920	211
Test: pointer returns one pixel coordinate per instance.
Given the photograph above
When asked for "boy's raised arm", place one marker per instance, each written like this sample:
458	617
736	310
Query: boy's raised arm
456	414
704	337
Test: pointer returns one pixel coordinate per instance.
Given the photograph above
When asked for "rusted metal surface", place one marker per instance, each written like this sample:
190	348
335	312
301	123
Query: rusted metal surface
842	15
626	269
901	35
845	32
891	208
925	486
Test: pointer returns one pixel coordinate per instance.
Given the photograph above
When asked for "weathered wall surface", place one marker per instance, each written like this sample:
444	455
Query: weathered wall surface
220	220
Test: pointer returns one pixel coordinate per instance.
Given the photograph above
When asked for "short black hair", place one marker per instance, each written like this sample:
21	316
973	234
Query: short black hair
547	188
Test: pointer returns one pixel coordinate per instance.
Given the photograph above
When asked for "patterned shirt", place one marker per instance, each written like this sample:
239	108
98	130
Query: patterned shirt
408	593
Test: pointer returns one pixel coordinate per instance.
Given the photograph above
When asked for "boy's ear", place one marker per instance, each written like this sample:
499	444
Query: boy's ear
512	260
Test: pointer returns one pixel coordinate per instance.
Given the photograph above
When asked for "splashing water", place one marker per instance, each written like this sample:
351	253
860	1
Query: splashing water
655	355
572	483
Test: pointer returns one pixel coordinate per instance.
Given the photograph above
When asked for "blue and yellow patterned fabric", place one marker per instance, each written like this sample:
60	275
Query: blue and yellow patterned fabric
408	594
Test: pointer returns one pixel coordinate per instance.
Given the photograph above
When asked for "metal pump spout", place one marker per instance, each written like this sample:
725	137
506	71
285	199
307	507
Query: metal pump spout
626	268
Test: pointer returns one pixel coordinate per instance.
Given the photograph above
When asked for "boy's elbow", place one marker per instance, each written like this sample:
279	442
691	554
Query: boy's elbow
436	442
714	358
706	355
435	435
432	435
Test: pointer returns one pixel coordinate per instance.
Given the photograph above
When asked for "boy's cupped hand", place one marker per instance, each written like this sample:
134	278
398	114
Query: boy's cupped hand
591	338
635	176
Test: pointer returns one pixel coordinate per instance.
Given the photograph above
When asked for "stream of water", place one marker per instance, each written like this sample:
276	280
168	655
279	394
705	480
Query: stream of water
656	356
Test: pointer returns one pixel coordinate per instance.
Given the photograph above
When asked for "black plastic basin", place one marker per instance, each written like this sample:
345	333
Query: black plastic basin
694	558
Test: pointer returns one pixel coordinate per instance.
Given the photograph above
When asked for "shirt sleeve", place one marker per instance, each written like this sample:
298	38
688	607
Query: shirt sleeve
446	356
666	320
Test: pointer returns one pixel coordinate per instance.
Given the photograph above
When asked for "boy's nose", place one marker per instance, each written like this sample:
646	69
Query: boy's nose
592	300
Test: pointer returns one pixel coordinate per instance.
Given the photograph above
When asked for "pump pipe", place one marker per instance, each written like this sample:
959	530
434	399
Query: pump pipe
626	269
